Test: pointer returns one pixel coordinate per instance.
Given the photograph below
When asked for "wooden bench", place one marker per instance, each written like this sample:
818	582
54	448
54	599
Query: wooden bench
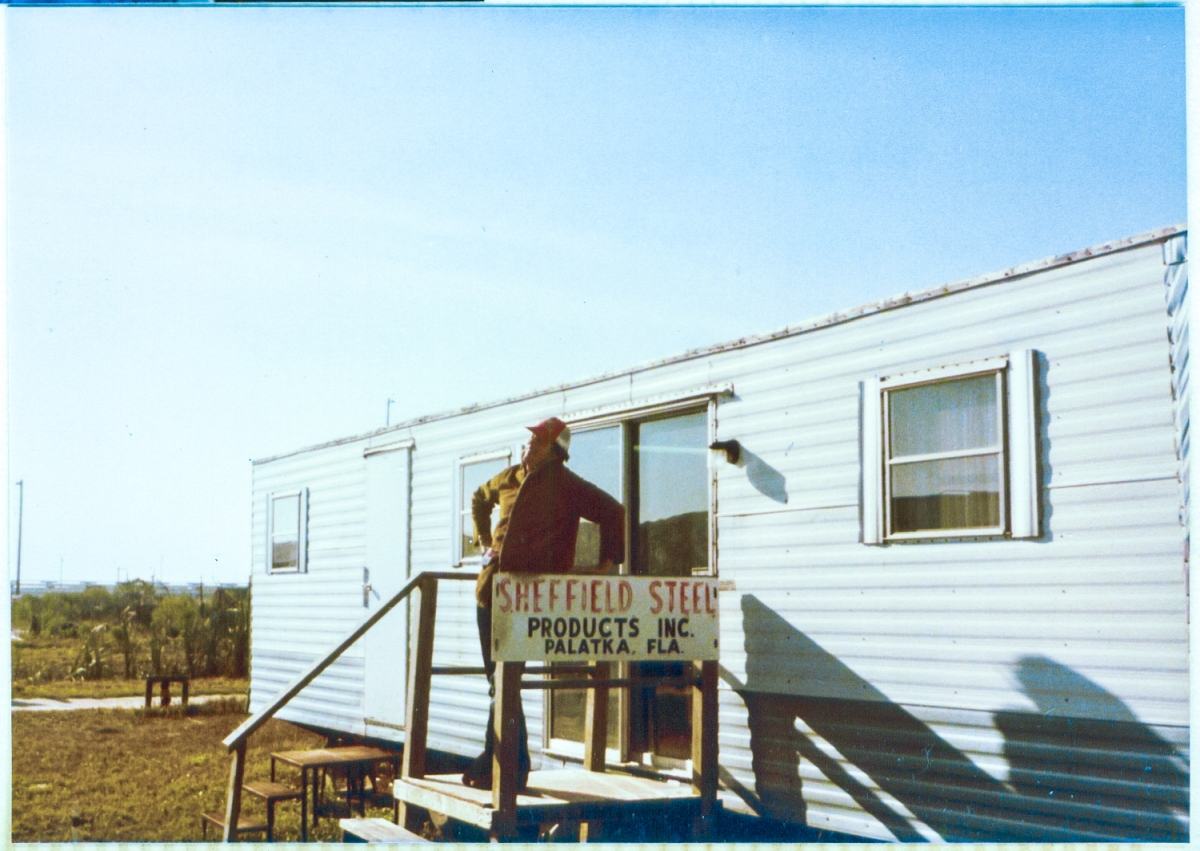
271	793
376	830
244	825
165	689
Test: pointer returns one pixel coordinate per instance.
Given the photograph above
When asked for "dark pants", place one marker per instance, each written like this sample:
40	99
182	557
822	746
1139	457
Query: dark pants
483	618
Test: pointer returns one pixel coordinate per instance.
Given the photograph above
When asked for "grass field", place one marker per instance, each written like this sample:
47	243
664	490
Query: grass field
63	689
110	775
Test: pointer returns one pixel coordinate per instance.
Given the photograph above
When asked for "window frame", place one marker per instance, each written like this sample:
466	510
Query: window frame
301	532
1000	452
1017	410
462	503
628	416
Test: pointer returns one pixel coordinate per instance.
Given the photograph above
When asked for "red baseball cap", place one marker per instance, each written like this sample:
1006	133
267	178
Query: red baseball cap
555	431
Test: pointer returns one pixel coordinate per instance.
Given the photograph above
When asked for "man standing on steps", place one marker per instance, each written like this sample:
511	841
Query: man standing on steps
541	503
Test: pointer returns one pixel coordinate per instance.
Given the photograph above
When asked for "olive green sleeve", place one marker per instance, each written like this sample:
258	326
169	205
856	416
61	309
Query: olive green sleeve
485	498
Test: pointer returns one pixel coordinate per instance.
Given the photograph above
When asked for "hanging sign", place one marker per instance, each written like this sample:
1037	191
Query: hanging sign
573	618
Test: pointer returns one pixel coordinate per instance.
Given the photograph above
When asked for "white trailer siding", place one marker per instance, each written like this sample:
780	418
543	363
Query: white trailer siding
297	618
1097	605
1029	689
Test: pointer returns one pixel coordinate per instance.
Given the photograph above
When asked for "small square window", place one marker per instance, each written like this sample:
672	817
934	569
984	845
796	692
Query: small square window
287	527
951	452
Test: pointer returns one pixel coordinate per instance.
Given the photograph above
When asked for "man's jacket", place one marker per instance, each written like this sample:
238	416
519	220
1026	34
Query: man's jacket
539	521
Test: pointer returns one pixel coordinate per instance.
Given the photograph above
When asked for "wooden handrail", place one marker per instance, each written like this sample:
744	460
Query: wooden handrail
508	690
314	670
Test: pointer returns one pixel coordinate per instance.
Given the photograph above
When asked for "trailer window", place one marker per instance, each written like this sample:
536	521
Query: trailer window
945	457
473	472
951	452
287	528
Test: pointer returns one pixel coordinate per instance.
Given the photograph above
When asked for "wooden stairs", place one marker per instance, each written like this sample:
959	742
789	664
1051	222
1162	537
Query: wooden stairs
584	796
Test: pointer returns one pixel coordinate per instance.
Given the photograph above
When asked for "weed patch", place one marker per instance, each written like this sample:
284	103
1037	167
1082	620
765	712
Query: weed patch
110	775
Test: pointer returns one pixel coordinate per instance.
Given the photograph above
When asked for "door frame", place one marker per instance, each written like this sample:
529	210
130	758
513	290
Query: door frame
628	416
378	563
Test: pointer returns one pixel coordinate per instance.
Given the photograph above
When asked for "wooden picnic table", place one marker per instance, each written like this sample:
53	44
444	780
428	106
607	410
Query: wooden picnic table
316	762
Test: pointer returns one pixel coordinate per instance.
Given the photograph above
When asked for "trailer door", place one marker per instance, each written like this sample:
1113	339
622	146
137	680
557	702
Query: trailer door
385	646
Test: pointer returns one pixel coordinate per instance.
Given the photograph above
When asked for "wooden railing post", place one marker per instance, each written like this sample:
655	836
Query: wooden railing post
504	755
233	800
595	723
416	723
704	742
595	731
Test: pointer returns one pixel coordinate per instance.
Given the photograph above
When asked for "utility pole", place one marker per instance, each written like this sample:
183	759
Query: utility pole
20	519
388	419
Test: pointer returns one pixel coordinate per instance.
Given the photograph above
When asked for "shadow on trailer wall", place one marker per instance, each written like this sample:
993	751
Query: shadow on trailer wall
1069	779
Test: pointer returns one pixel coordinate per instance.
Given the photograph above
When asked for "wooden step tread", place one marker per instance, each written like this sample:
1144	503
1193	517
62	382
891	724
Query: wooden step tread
245	824
554	795
269	791
378	830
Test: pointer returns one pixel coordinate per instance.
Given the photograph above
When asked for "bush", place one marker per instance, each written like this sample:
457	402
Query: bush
154	632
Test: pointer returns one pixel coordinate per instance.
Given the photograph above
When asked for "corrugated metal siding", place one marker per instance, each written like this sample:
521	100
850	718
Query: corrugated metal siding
1179	309
297	618
841	661
1087	624
917	773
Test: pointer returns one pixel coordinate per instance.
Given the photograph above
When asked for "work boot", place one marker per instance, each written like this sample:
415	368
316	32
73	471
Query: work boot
479	773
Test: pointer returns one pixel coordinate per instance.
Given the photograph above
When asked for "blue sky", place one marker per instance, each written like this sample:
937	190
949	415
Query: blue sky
237	231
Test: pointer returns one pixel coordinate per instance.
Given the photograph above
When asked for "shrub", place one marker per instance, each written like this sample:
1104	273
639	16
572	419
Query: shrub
91	662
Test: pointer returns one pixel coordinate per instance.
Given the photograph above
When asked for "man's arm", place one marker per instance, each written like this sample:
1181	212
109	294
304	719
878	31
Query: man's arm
485	498
594	504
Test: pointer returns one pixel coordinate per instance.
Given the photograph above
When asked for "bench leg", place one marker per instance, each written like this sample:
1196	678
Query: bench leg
310	780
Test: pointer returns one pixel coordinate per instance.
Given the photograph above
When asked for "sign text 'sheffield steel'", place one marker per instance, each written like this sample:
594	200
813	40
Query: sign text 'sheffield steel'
559	618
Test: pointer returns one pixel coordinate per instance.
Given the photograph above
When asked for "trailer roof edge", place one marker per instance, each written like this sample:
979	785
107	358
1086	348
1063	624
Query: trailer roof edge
829	319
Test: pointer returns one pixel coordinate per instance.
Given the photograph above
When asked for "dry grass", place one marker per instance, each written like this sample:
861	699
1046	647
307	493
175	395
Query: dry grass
110	775
63	689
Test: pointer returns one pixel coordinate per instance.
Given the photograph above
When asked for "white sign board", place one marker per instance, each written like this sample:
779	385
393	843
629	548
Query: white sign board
575	618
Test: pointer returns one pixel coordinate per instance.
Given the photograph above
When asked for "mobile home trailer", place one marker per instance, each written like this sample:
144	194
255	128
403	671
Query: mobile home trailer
951	537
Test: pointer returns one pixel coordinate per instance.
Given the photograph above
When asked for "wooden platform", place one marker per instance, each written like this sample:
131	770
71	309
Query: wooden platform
375	830
564	794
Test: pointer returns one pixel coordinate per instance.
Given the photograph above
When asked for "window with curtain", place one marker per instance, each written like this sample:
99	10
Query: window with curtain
952	451
945	456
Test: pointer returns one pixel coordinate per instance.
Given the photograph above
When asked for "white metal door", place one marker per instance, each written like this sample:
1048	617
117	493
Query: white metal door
386	644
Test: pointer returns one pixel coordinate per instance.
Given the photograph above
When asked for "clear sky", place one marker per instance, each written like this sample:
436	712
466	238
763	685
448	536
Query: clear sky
233	232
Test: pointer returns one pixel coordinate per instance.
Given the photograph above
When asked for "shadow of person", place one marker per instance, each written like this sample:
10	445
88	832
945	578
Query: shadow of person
1121	777
892	764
